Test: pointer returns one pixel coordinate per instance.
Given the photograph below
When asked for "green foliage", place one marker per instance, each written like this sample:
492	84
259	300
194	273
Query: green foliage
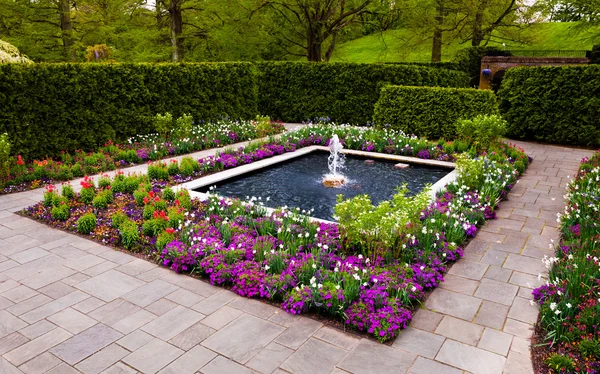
590	348
188	166
86	223
61	212
168	194
87	194
552	104
345	92
481	130
469	59
367	227
102	199
67	191
183	126
117	219
130	233
4	155
47	108
431	112
163	239
158	170
560	363
471	172
163	124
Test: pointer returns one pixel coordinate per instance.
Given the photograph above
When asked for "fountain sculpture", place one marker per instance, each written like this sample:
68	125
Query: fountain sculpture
335	162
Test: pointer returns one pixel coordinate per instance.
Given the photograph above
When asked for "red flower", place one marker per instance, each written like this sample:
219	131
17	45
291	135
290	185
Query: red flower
170	230
87	182
146	200
177	202
151	193
20	160
50	188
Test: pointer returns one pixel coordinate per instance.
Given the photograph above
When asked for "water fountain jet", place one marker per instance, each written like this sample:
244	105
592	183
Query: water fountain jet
335	162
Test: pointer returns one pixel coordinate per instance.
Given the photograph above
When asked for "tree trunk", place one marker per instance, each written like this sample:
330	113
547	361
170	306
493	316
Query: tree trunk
329	52
436	50
313	47
176	29
66	28
478	36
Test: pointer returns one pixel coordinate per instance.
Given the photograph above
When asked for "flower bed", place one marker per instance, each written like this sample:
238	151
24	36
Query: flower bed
37	173
370	271
568	330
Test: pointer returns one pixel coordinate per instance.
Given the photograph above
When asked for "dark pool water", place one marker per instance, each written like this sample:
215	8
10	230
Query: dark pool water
299	182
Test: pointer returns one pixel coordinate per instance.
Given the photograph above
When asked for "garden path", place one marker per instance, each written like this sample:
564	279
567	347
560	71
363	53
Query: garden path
68	304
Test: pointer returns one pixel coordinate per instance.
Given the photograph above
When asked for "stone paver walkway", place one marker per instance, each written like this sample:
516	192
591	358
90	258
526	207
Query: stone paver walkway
71	305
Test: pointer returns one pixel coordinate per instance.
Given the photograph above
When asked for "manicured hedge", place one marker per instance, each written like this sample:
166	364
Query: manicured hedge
431	111
553	104
47	108
344	92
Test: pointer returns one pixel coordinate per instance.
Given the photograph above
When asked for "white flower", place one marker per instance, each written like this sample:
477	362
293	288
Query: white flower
413	289
267	267
569	305
552	306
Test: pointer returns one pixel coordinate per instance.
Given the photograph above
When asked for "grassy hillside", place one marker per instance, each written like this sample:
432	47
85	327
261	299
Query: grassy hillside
401	45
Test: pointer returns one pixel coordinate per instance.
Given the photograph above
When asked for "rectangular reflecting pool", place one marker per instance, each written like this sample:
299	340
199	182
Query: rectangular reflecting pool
299	182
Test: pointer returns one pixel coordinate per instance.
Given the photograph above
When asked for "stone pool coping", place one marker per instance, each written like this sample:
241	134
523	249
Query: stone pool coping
265	163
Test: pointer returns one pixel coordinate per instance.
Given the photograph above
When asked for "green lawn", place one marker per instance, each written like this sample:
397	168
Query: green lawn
400	45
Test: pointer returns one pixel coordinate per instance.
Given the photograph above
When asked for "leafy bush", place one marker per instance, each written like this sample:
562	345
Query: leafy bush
345	92
129	233
67	191
481	130
102	199
183	126
117	219
552	104
431	112
560	363
590	348
4	156
47	108
61	212
163	124
86	223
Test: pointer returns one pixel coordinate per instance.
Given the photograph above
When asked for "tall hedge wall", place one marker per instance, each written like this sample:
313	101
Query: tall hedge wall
345	92
431	111
47	108
553	104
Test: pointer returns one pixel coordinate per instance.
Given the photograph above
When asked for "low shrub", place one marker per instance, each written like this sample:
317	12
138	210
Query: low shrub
86	223
431	112
130	234
552	104
481	130
61	212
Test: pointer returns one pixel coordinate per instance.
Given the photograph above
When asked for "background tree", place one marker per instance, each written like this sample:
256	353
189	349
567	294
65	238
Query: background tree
312	26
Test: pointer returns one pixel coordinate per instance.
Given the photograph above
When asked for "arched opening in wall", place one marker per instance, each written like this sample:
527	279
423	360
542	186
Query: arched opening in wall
474	82
497	80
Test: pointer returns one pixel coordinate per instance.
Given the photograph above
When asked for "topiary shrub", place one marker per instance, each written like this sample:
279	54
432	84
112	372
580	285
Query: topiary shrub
552	104
86	223
431	112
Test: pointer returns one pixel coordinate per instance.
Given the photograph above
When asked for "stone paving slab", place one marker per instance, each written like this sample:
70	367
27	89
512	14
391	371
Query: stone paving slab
70	305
